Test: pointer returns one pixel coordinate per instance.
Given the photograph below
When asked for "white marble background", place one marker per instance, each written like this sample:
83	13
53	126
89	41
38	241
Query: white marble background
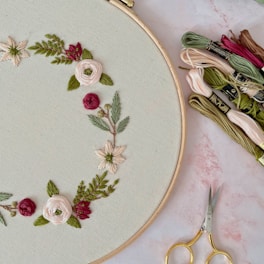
210	157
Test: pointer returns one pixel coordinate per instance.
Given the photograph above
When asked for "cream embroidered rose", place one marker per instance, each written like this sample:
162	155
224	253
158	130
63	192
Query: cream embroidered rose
88	72
57	210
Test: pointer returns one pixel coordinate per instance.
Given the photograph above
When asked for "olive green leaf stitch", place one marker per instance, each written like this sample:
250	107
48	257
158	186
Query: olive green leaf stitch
98	188
73	83
54	46
73	221
86	54
41	221
52	189
106	79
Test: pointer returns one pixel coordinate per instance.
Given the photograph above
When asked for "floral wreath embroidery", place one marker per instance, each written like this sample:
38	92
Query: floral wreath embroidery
13	51
59	210
87	72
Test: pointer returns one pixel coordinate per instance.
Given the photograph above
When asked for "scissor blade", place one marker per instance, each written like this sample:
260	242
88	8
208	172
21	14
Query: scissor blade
215	197
212	200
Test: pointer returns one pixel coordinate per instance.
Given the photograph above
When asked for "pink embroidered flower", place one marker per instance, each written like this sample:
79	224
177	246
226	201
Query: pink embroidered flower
57	209
82	210
91	101
74	52
26	207
94	68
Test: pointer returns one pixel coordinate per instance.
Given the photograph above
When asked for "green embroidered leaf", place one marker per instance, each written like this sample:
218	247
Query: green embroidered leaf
52	189
40	221
122	125
106	80
54	46
61	60
73	221
86	54
2	220
116	108
99	122
80	193
5	196
98	188
73	83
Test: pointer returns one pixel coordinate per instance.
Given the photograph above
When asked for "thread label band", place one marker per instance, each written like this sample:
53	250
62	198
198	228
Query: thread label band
261	160
219	103
214	47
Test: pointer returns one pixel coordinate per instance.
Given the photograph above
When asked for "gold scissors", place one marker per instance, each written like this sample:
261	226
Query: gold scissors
205	228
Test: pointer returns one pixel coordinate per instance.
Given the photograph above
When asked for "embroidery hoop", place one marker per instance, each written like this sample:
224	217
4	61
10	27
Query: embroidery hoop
140	227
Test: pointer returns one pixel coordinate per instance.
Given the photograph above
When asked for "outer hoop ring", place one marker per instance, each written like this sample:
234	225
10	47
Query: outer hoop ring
133	16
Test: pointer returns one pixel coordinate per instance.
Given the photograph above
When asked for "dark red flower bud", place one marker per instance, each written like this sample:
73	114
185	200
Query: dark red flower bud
26	207
91	101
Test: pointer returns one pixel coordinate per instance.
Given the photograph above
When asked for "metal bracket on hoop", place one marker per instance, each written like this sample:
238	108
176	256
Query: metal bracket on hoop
129	3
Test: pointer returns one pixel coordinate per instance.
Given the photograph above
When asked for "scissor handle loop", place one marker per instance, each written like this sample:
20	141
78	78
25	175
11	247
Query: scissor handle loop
187	245
216	251
179	245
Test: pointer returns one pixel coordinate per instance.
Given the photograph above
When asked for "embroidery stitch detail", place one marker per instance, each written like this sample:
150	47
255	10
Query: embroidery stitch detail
25	207
87	72
13	51
108	119
58	209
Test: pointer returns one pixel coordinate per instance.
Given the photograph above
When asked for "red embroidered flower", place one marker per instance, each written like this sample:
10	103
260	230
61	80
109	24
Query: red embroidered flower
91	101
26	207
82	210
74	52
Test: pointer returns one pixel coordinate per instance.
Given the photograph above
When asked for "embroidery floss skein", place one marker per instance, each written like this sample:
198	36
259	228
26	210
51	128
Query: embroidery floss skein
215	79
250	127
197	58
206	108
247	41
241	65
241	51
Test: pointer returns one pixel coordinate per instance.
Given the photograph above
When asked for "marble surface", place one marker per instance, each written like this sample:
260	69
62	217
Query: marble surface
210	157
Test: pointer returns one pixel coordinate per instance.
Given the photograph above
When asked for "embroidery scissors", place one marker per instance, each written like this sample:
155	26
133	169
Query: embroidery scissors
206	227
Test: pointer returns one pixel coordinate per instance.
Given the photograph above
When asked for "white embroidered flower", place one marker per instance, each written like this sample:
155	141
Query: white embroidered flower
13	51
111	157
57	209
88	72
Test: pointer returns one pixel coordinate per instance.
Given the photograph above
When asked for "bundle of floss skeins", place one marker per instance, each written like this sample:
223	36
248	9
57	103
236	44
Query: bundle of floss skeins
198	58
242	51
217	80
247	124
245	39
241	65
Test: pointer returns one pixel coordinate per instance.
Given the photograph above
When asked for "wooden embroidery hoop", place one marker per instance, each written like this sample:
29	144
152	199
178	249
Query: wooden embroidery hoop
126	7
138	180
